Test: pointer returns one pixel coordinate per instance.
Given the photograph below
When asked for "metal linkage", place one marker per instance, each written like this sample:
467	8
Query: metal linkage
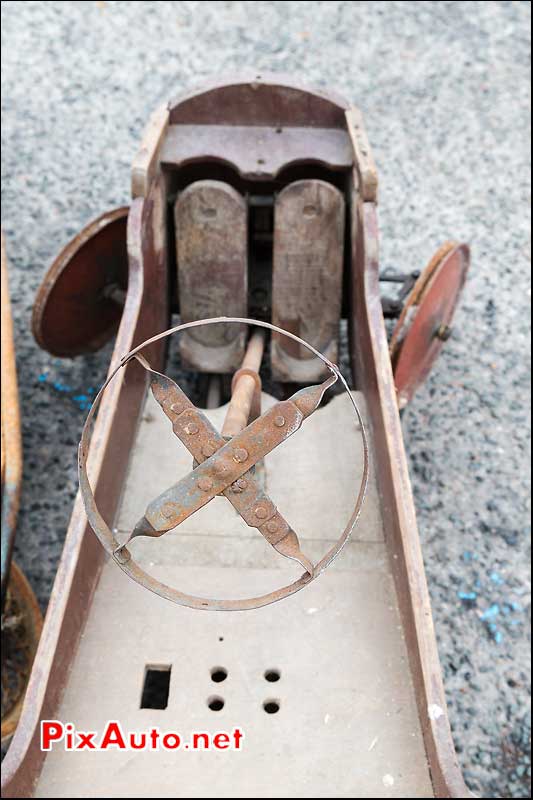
223	467
392	307
245	403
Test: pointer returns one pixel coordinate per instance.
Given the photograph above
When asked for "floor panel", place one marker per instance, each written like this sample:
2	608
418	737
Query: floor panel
347	724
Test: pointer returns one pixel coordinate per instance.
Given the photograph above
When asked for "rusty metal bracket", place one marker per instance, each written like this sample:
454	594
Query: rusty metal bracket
392	307
223	468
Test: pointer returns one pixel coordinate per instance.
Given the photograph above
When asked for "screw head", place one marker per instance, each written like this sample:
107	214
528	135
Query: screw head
240	455
205	484
239	486
443	332
191	428
123	555
279	421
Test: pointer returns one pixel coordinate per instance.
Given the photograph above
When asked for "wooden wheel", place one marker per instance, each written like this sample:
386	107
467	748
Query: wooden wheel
79	303
425	322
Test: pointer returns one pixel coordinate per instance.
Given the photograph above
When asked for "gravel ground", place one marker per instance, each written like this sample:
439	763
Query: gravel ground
445	89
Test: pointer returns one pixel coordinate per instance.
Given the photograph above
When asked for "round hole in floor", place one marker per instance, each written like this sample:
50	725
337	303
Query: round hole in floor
272	675
219	674
220	638
215	703
271	706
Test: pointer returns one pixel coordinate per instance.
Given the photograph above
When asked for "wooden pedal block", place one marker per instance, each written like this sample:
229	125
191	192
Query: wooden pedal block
307	277
212	261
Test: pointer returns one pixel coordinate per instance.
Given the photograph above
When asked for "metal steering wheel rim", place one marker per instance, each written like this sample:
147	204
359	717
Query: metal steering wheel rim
123	557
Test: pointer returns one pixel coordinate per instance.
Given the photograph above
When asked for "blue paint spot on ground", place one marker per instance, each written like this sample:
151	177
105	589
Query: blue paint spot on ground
467	595
494	632
81	400
491	612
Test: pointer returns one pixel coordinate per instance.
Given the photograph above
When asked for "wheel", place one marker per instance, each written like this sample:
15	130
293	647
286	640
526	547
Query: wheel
79	303
425	322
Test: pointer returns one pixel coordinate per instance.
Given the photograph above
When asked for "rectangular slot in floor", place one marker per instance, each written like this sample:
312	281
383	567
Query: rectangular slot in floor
156	685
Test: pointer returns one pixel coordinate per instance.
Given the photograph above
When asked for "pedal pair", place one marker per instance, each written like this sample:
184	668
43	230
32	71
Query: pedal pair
213	251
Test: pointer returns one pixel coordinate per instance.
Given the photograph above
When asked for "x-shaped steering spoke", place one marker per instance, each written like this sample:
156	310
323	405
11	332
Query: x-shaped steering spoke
225	467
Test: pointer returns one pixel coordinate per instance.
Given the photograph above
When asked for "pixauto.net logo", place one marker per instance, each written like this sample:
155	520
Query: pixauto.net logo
64	734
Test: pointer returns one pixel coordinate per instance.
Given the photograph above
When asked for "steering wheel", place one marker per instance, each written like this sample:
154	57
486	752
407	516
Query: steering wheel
222	468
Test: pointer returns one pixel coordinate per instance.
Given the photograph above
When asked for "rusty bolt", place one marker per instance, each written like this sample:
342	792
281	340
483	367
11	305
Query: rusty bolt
205	484
239	486
443	332
220	468
279	421
177	408
168	510
208	450
272	526
191	428
123	555
240	455
261	512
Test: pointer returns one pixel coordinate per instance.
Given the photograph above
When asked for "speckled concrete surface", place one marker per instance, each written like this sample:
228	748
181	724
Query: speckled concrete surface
445	90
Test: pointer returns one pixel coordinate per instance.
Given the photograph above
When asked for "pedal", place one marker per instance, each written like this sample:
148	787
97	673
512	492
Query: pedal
212	258
307	277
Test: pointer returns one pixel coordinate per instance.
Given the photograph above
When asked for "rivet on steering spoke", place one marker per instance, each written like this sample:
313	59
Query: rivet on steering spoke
191	428
240	455
239	486
279	421
122	555
261	512
208	450
220	468
176	408
272	526
205	484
